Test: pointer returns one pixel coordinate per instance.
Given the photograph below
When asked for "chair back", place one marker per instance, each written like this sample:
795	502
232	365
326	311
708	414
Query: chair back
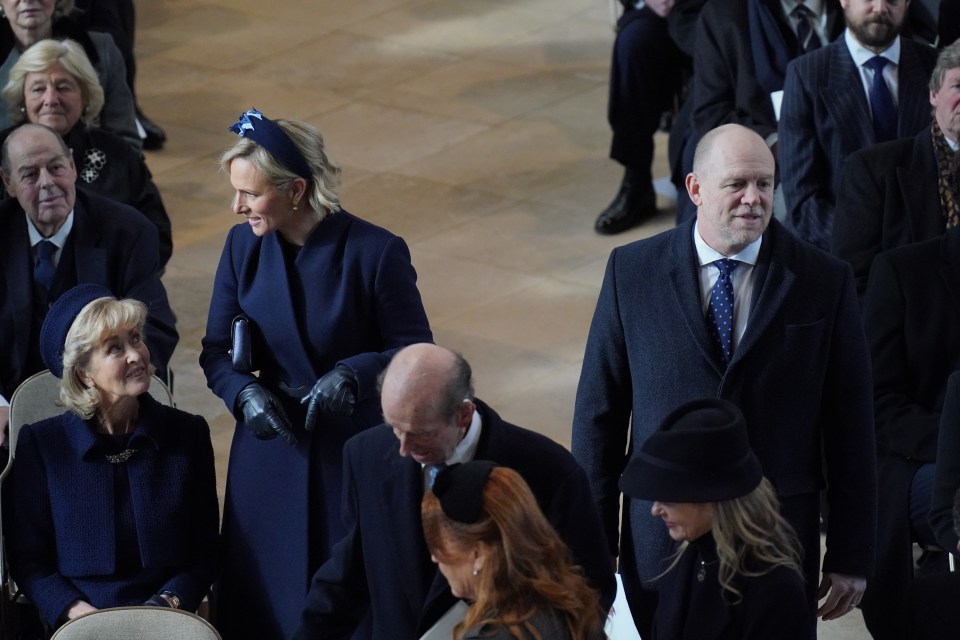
137	623
37	398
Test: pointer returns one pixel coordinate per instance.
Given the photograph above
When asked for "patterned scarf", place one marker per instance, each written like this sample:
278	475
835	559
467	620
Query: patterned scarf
948	176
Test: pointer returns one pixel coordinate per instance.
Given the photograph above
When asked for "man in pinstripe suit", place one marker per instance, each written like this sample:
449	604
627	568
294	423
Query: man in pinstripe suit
827	110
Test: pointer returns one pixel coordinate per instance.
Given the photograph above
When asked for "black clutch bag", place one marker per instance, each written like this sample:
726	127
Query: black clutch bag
242	359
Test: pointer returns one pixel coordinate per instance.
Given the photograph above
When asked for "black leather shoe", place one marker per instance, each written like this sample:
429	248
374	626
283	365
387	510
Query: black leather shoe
154	135
627	210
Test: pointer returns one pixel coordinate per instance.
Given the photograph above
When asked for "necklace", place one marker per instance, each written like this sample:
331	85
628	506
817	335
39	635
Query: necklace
702	571
126	454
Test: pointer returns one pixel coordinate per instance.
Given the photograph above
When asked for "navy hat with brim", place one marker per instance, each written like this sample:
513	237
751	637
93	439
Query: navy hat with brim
59	319
700	453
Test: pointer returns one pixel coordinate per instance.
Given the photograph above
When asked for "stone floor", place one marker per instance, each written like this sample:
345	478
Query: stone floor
476	129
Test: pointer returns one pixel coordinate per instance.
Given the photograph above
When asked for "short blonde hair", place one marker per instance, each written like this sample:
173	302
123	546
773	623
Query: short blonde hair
40	57
324	184
98	320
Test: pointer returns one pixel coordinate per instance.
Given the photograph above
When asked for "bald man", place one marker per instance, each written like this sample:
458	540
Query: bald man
731	305
380	582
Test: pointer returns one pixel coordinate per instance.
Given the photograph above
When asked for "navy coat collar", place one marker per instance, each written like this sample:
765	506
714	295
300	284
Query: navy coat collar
149	432
295	352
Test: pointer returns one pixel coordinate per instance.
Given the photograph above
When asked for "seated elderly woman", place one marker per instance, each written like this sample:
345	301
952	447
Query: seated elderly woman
737	571
114	501
54	84
496	549
26	23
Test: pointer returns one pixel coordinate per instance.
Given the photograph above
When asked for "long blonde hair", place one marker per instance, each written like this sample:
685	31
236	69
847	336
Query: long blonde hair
752	539
527	567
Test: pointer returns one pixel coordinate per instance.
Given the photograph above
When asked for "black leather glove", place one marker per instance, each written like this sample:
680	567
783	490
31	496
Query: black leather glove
264	414
335	392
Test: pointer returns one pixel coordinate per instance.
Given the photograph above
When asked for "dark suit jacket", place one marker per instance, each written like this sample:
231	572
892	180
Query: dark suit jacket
725	86
64	524
889	196
947	477
349	297
911	314
382	565
825	117
912	319
801	375
112	245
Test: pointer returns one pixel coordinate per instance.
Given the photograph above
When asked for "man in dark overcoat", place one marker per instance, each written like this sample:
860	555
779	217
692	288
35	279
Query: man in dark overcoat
380	582
779	335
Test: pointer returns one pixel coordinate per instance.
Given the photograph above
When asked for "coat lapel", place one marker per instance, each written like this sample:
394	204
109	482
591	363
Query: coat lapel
19	281
272	288
949	267
848	108
772	284
920	188
685	285
90	258
913	110
402	487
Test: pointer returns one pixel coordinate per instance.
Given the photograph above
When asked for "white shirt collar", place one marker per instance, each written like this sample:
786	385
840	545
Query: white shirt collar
59	238
467	448
814	5
861	54
707	254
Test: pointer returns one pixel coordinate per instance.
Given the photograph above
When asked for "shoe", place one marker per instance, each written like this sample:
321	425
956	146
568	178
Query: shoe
153	135
627	210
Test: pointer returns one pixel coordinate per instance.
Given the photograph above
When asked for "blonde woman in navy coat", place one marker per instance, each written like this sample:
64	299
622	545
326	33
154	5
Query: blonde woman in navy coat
315	301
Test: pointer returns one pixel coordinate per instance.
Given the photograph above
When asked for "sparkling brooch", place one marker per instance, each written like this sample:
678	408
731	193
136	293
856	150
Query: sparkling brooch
123	456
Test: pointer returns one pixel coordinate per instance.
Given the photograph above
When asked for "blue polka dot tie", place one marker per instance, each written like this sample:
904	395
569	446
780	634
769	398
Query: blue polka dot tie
720	311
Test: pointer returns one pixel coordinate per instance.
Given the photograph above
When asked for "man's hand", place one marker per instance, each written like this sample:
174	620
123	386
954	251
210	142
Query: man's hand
843	593
660	7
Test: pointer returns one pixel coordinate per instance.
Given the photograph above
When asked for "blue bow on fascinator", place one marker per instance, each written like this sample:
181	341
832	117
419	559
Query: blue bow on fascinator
269	135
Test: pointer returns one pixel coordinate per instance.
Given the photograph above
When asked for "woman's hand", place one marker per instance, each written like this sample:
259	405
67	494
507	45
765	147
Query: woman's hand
335	392
264	414
78	608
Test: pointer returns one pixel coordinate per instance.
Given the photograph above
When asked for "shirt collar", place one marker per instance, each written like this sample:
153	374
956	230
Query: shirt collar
707	254
59	238
814	5
861	54
467	447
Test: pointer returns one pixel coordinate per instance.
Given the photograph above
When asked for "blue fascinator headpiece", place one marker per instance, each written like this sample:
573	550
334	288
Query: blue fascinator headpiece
269	135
